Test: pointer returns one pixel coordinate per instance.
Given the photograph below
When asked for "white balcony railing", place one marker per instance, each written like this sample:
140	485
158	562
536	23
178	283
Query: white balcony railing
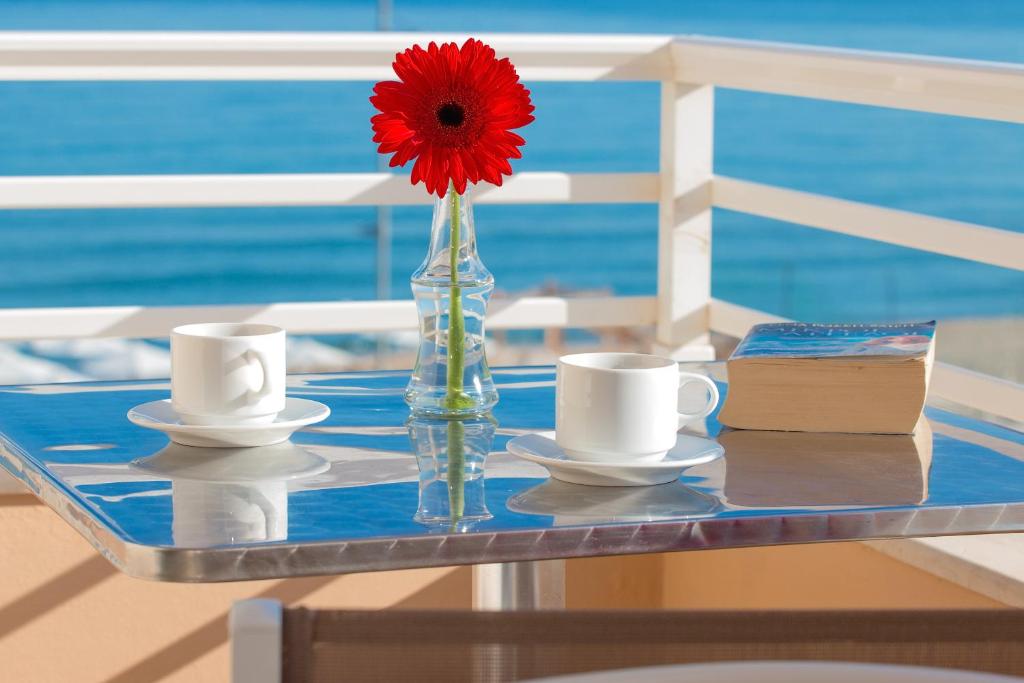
685	188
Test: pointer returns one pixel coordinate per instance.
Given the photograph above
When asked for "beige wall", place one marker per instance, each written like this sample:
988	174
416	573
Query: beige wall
822	576
67	615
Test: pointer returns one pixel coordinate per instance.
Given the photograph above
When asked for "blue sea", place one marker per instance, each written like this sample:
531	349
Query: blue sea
946	166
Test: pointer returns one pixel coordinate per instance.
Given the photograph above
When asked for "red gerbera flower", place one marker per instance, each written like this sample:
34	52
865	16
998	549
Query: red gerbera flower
453	111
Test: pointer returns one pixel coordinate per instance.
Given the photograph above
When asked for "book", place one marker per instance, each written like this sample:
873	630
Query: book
798	470
809	377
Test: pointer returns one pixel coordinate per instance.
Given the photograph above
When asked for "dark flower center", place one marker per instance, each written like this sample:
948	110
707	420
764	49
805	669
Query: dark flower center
451	115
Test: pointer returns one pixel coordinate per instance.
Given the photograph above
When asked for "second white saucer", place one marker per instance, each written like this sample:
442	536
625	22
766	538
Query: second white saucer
297	413
542	449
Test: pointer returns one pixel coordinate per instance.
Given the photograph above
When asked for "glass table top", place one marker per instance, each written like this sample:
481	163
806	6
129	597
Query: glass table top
365	491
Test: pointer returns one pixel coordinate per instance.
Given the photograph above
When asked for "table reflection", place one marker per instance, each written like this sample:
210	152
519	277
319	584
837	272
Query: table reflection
796	469
450	455
225	496
572	504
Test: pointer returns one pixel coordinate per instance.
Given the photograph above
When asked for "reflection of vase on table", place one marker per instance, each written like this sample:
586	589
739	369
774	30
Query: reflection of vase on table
450	455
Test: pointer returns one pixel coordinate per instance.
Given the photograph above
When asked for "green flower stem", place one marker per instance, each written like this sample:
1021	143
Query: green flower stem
456	472
456	321
456	349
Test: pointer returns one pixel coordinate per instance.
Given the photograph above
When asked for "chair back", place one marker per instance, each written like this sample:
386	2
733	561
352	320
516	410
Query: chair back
331	646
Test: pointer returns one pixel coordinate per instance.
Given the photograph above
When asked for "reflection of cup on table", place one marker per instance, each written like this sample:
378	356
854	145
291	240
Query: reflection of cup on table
221	496
208	514
622	406
227	373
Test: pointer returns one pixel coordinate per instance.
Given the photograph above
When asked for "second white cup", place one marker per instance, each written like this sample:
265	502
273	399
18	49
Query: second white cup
227	373
622	406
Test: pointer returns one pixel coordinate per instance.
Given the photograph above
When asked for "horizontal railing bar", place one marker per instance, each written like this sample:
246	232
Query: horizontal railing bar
735	321
48	56
938	235
979	89
973	389
91	192
316	317
987	90
979	391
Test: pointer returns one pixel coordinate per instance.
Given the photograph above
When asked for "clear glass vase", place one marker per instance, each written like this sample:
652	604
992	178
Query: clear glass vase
450	454
451	288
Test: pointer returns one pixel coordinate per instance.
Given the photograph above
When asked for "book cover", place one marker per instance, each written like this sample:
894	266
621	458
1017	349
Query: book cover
821	340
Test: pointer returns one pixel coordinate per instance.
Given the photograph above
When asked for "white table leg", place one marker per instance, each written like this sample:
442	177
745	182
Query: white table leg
519	585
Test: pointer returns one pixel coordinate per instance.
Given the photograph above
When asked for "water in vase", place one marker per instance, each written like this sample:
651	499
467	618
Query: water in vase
428	387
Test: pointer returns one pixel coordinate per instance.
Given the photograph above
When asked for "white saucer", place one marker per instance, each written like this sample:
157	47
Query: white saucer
297	413
279	462
542	449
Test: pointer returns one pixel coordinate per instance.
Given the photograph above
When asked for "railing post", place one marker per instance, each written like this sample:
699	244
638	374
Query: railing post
684	221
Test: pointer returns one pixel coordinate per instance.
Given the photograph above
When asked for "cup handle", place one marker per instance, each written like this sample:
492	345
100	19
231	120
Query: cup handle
688	378
257	357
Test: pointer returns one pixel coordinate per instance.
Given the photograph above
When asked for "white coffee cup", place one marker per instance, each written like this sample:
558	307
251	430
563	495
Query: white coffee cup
227	373
622	406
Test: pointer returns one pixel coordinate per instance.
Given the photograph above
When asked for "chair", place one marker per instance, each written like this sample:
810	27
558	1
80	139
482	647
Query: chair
271	645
